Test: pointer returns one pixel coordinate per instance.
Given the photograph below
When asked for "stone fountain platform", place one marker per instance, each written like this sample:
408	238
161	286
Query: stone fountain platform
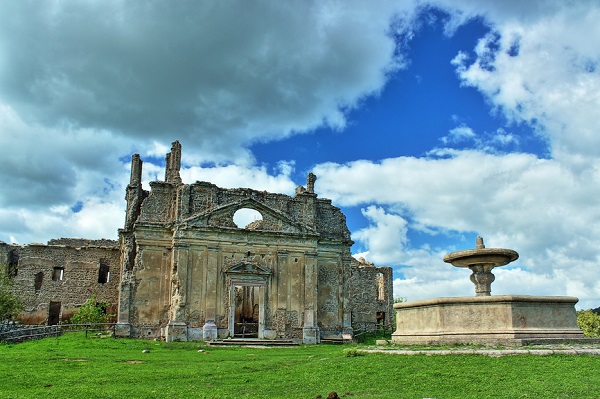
488	320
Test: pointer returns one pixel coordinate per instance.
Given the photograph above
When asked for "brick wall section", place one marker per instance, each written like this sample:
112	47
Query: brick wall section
371	294
80	265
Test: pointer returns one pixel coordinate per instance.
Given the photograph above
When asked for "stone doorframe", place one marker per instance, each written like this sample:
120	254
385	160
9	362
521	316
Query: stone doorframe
261	284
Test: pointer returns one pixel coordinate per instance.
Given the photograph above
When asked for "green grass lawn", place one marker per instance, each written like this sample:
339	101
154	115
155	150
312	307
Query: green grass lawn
75	367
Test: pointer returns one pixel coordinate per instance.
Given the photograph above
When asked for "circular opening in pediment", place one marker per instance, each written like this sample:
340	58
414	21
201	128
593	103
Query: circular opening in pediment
246	218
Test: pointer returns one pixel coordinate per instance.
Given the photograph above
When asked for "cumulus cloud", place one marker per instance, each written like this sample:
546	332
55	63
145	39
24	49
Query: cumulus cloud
385	237
84	85
218	74
536	206
541	68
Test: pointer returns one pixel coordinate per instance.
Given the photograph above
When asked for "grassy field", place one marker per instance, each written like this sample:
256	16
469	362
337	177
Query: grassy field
75	367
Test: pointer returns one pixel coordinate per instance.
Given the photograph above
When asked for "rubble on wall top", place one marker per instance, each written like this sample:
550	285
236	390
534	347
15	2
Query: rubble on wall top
83	242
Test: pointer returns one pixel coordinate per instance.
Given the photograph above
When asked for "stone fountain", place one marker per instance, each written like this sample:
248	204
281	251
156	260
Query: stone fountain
481	261
483	318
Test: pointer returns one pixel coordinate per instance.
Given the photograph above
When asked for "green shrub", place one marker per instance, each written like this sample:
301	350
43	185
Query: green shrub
352	352
589	322
91	312
10	304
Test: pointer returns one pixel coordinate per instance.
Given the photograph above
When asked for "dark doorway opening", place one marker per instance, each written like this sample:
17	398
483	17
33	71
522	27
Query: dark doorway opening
380	319
246	311
39	278
103	273
54	313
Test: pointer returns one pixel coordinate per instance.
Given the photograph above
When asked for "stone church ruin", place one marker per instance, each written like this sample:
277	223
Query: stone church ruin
183	270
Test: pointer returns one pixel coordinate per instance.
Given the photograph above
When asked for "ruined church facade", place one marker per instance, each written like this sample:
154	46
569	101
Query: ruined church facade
183	270
189	272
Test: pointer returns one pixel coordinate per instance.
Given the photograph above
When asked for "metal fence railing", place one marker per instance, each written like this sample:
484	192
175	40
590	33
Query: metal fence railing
14	332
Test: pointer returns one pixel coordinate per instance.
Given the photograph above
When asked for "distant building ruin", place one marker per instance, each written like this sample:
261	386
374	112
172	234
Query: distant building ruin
183	270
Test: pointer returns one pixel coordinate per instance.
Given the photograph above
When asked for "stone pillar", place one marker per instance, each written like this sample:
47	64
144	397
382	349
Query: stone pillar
173	161
282	279
123	327
134	193
179	300
310	330
209	331
310	183
345	295
136	170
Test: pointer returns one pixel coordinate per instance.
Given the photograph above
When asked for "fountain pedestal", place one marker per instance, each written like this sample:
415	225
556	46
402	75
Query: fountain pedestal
486	319
490	320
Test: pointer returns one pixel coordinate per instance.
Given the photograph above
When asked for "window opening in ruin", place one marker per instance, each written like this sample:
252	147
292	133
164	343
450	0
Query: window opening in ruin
380	319
54	313
246	218
103	273
39	278
13	264
58	273
246	311
380	286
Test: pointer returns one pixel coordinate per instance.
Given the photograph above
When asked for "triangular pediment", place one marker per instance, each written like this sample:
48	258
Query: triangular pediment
247	267
222	216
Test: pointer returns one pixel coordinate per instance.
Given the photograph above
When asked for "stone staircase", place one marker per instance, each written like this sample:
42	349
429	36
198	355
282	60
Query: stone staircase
252	342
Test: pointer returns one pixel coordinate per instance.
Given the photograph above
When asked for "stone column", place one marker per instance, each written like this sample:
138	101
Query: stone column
177	327
282	279
209	331
123	327
345	295
310	330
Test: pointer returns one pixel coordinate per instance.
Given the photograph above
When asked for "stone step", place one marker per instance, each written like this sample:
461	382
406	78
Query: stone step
335	341
252	342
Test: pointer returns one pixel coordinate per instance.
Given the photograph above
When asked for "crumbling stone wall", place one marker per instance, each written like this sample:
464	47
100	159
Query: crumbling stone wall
371	296
183	259
180	259
64	272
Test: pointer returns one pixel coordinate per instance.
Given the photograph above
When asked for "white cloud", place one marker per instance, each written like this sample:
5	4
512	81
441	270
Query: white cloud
542	68
547	212
233	176
220	75
84	85
458	134
385	238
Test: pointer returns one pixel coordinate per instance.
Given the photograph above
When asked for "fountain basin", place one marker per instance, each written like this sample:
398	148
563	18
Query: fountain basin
489	320
481	256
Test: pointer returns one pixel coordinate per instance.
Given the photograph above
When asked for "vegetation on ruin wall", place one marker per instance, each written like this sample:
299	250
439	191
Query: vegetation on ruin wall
91	312
74	367
10	305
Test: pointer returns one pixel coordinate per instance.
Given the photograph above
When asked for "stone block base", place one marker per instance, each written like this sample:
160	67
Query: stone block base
176	331
501	319
209	331
123	330
310	335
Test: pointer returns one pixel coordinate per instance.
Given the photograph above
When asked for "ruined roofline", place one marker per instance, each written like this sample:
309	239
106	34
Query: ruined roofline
173	168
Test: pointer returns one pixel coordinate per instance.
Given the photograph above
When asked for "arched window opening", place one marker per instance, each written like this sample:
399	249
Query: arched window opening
246	218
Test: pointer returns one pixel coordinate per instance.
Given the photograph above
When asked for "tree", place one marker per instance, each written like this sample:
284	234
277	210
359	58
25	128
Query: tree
91	312
589	322
10	304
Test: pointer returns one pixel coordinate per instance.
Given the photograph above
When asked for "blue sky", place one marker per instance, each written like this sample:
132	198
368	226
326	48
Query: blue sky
427	122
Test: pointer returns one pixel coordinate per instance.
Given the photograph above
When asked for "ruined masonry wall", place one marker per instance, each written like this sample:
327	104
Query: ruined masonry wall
371	292
79	276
